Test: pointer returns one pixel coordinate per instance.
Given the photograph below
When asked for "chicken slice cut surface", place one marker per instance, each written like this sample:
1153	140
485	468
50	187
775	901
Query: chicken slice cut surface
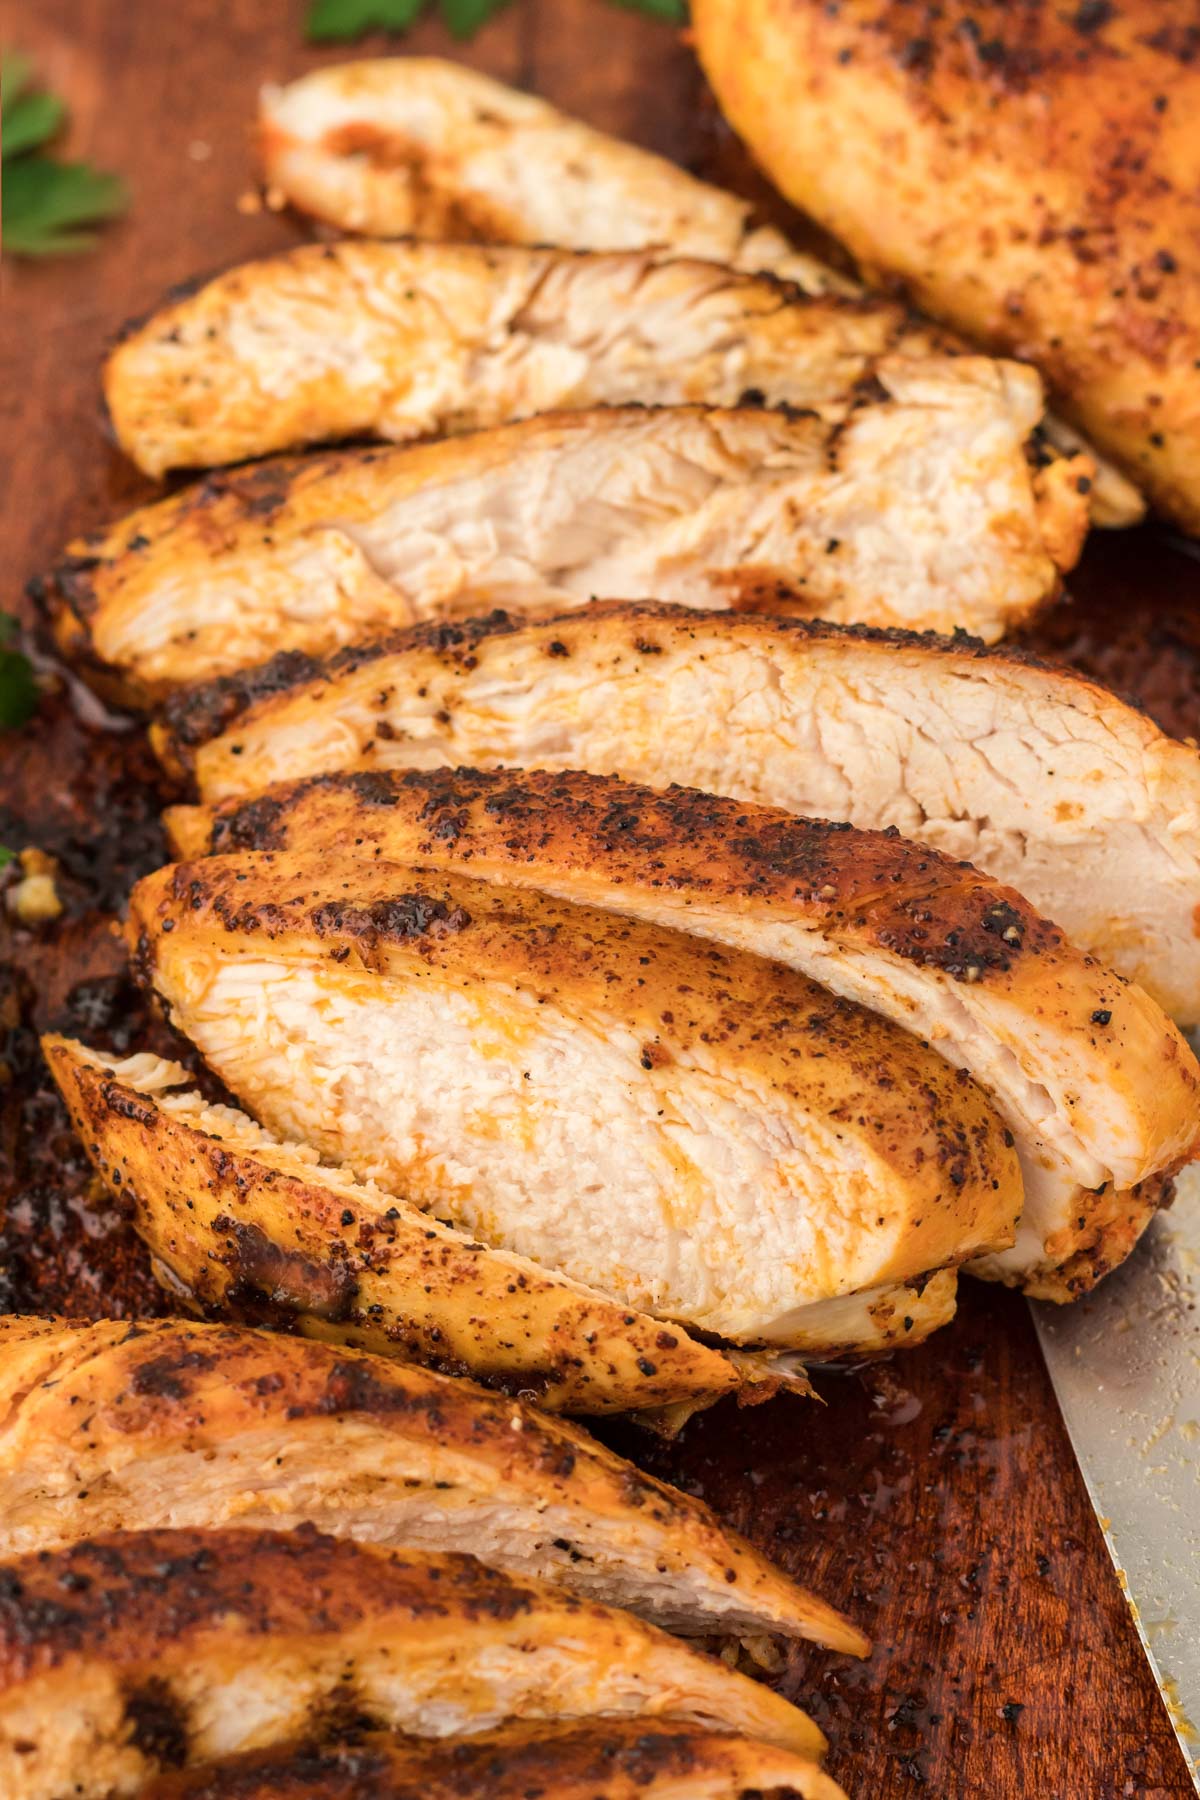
136	1652
232	1215
1096	1108
416	146
921	510
617	1759
405	340
1043	778
695	1131
399	146
113	1427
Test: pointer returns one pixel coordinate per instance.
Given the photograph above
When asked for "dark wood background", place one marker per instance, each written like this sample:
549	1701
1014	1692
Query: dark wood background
934	1496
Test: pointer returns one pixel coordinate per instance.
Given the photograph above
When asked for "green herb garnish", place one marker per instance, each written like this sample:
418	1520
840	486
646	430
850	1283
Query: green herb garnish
47	204
329	19
18	688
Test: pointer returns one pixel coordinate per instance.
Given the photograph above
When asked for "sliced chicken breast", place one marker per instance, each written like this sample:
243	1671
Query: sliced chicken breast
118	1427
617	1759
921	509
695	1131
415	145
150	1650
403	340
1096	1108
1041	777
233	1216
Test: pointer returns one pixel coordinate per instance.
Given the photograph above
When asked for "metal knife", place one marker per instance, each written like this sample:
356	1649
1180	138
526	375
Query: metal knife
1125	1364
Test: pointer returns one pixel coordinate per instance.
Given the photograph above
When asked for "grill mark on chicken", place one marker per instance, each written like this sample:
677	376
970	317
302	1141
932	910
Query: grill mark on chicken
1040	776
616	1760
204	1424
298	1619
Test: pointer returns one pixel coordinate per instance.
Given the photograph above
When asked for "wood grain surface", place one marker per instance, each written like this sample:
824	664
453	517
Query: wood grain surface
935	1495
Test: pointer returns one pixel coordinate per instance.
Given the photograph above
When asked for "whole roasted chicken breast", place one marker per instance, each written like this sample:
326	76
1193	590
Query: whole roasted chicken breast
110	1426
138	1652
1095	1083
1044	779
695	1131
1028	173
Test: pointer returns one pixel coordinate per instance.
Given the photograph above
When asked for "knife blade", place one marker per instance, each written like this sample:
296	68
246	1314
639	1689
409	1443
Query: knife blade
1125	1363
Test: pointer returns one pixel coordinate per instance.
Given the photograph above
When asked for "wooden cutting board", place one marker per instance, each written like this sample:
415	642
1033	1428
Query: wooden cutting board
934	1496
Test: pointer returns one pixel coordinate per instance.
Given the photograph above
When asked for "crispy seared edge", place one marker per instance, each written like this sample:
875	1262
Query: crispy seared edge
616	1759
99	1388
233	1229
154	1609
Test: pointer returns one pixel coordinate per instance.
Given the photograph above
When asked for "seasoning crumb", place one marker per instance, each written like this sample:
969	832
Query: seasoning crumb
34	899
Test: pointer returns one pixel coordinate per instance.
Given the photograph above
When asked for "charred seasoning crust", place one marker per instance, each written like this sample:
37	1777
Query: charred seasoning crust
166	1375
682	996
118	1597
576	1762
911	900
282	1249
198	714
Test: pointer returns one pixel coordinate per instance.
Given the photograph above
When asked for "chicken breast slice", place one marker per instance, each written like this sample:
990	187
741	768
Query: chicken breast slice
1041	777
618	1759
921	509
1028	176
696	1132
404	340
231	1215
418	146
137	1652
118	1427
1096	1108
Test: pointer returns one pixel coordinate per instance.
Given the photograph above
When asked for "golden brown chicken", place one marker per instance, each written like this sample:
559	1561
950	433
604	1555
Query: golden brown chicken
1028	173
232	1215
410	144
1097	1109
617	1759
922	509
1046	780
697	1132
144	1651
110	1426
398	341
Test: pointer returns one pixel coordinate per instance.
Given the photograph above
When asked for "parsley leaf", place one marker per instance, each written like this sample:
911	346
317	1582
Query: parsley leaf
30	120
46	203
464	17
18	689
350	18
673	10
329	19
